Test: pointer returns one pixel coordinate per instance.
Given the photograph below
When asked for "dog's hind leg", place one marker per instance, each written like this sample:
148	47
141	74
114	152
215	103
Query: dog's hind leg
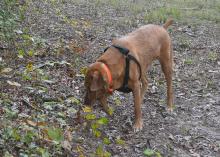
143	86
166	64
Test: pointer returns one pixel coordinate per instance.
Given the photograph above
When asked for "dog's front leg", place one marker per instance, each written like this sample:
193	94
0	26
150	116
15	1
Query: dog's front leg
103	101
138	125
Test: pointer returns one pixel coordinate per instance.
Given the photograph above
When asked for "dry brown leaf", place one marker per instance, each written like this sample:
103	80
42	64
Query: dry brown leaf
6	70
32	123
66	145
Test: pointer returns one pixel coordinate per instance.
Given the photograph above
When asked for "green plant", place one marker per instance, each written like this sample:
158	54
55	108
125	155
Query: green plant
213	56
150	153
188	61
162	14
8	20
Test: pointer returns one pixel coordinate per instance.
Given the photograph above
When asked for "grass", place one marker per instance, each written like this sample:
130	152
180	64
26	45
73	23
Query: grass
183	11
213	56
162	14
188	61
197	11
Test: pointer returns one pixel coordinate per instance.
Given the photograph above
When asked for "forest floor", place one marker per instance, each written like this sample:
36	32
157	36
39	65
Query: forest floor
42	82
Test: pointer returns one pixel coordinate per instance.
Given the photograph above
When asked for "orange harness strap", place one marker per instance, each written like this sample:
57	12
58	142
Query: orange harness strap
107	72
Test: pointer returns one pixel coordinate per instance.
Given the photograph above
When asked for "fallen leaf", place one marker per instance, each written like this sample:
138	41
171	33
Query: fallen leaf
87	109
6	70
66	145
90	116
32	123
68	135
79	150
29	67
14	83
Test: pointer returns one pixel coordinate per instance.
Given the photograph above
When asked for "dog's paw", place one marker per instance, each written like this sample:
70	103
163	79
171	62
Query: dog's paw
138	126
170	109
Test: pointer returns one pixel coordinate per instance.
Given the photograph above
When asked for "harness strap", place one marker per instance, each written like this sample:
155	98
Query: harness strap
128	57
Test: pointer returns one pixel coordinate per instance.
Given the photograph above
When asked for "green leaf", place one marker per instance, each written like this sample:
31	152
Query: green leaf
15	134
55	134
73	100
71	111
106	154
106	141
90	116
120	141
10	114
110	111
26	76
102	121
44	153
97	133
117	101
158	154
94	126
26	37
7	154
83	70
29	67
99	150
21	53
31	53
149	152
28	137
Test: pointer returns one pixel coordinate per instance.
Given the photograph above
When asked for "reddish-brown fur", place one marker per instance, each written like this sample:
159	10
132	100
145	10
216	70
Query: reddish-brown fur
146	44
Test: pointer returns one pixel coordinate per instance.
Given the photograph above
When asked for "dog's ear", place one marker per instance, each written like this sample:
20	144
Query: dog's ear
96	81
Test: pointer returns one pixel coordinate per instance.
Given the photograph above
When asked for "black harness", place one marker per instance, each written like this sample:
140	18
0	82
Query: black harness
124	51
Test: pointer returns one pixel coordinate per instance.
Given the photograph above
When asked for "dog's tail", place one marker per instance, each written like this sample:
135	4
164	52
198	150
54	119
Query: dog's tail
168	23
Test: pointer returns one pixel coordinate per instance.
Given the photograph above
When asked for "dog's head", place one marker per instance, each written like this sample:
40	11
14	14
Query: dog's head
95	85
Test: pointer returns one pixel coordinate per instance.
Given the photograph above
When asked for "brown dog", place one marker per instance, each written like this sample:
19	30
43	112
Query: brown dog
107	74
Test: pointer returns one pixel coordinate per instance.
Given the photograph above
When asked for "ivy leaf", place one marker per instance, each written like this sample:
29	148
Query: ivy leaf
102	121
149	152
55	134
